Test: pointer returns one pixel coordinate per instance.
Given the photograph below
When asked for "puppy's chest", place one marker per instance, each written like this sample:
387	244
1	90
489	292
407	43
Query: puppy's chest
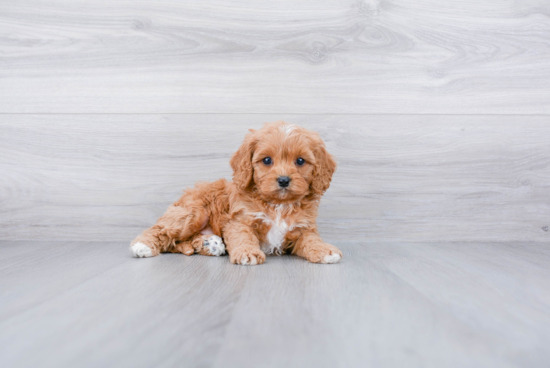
276	231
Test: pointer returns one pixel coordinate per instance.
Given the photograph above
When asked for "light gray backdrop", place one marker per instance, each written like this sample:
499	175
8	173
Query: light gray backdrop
437	111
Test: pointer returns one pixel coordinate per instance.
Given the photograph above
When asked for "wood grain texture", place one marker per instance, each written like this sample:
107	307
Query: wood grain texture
424	178
89	304
437	112
397	56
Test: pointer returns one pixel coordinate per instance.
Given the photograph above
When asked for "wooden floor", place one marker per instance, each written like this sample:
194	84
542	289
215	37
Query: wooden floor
90	304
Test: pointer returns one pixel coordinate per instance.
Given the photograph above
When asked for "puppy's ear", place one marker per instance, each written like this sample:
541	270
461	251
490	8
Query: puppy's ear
241	163
325	166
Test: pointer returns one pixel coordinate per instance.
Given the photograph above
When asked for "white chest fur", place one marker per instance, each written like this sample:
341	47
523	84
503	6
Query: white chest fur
275	238
276	235
279	227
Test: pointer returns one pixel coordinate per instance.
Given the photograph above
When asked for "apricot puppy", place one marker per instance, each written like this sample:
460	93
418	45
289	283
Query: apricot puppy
280	173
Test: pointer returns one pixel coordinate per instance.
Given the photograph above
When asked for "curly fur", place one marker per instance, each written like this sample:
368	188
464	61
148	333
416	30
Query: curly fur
253	214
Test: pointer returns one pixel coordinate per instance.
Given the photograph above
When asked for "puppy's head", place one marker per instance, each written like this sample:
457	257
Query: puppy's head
283	162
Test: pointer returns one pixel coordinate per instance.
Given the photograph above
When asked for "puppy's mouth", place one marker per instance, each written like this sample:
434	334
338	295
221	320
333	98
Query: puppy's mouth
283	193
278	195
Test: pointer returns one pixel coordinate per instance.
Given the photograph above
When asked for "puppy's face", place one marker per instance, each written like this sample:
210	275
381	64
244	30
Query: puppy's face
283	162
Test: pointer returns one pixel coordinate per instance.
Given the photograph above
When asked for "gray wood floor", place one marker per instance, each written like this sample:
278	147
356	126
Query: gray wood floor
89	304
438	112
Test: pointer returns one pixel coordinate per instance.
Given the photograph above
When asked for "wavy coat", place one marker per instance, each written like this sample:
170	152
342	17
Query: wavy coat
280	173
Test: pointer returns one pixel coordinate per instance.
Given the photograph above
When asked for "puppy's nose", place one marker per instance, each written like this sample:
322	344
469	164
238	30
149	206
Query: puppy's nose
283	181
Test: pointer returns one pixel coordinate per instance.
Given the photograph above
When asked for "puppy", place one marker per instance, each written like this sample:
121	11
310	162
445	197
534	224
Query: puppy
280	173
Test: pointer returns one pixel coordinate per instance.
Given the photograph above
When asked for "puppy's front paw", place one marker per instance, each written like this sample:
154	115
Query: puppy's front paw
324	253
247	256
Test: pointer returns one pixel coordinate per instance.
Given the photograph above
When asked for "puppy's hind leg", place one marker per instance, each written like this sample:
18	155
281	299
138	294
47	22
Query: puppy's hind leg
210	245
206	245
178	224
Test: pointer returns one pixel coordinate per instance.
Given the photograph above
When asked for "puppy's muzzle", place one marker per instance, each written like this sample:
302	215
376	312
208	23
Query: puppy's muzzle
284	181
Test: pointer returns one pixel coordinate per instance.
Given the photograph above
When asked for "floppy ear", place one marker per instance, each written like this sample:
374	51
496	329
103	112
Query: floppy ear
325	166
241	163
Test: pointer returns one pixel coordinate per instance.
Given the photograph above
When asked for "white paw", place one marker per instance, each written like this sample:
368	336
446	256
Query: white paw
253	261
215	245
141	250
332	258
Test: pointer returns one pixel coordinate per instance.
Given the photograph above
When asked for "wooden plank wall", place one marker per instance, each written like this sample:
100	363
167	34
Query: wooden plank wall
438	111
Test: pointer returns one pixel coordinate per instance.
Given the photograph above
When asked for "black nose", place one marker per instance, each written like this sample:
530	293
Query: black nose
283	181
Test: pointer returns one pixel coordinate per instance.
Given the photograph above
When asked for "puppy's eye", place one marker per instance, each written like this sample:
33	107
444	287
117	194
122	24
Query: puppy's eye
267	161
300	161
